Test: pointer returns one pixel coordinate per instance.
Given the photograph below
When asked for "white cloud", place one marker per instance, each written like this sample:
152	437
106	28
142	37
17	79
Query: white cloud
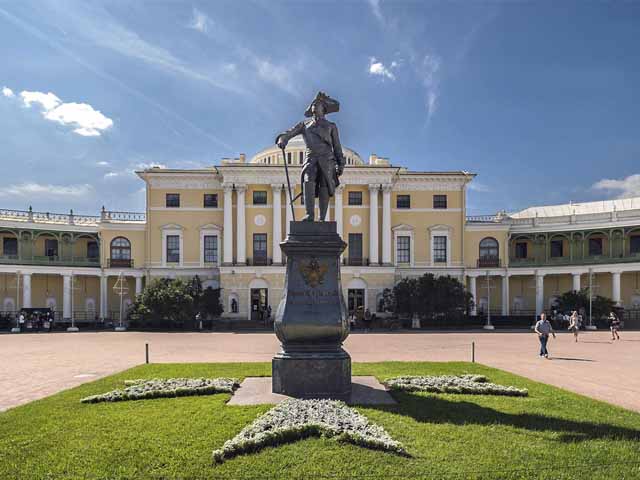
623	188
7	92
379	69
111	175
199	21
376	10
479	187
429	73
86	121
103	164
278	75
61	191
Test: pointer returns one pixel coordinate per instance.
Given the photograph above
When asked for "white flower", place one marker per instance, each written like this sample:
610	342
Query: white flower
464	384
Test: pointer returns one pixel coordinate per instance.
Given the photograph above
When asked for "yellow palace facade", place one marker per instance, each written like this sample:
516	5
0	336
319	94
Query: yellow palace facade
225	224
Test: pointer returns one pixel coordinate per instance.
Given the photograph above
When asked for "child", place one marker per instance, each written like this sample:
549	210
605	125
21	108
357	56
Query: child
614	323
574	325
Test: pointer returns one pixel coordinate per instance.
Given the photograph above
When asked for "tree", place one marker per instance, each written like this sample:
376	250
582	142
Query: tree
166	299
210	302
579	301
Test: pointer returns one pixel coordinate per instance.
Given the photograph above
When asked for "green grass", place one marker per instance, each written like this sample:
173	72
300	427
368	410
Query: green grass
552	434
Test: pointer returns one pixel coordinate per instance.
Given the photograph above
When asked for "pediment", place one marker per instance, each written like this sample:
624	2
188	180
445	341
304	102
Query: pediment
171	226
211	226
403	227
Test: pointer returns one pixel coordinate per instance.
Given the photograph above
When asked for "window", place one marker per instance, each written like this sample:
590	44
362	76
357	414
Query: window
355	249
301	158
10	246
260	197
403	249
289	158
556	248
211	249
355	198
173	248
595	246
51	247
439	201
260	248
403	201
488	248
172	200
634	244
521	249
93	251
120	249
210	200
440	249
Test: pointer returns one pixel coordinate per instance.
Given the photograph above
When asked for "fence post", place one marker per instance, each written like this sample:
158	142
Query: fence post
473	352
146	352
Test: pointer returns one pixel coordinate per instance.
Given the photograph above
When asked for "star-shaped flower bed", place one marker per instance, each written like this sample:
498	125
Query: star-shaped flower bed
294	420
462	384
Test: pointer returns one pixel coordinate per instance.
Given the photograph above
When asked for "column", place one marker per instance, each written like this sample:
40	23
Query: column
66	297
241	226
26	290
505	294
373	224
338	208
386	225
576	281
138	285
227	250
104	308
472	290
615	287
539	293
277	223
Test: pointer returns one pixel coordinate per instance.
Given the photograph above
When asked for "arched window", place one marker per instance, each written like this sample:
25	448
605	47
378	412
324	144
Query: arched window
120	252
488	248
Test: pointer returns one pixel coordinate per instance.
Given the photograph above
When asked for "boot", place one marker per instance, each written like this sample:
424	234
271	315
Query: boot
309	189
323	202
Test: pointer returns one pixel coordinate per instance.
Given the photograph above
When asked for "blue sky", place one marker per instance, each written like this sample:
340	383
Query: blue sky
540	99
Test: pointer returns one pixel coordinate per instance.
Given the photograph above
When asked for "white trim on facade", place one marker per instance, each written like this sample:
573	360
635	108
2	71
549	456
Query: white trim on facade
168	230
210	230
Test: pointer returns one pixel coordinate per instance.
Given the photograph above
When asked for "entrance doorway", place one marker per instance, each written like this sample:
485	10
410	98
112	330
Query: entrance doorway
355	298
259	303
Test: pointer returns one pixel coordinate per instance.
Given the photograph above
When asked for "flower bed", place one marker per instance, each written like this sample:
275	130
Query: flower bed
142	389
294	420
467	384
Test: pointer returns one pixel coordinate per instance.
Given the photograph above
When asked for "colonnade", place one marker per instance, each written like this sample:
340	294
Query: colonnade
377	255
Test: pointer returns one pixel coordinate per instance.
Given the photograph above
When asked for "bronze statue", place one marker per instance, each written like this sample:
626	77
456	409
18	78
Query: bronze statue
324	161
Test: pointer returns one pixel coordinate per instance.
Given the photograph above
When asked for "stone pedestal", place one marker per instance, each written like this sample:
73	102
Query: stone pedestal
311	320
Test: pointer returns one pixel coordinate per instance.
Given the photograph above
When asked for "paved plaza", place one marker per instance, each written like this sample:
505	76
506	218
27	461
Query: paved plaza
37	365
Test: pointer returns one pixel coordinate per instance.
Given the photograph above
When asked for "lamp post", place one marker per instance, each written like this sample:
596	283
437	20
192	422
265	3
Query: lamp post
488	325
121	288
591	326
74	287
16	329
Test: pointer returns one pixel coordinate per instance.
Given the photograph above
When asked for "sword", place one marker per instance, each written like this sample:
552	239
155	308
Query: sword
286	170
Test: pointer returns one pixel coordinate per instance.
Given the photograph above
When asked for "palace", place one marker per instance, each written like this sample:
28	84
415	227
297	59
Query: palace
225	224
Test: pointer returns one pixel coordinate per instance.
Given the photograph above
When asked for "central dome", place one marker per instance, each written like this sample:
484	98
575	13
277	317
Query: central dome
295	154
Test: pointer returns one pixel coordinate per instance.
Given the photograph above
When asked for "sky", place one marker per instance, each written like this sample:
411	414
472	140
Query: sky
539	99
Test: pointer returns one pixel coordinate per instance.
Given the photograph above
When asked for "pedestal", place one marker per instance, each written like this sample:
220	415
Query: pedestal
15	330
73	329
121	329
311	320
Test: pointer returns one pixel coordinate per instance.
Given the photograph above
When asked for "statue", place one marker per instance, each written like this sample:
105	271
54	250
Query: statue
324	161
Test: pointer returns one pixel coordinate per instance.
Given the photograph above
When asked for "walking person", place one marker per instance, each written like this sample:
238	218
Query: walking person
543	328
574	325
367	320
614	325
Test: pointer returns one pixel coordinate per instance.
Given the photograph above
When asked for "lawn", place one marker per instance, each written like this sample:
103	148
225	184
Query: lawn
551	433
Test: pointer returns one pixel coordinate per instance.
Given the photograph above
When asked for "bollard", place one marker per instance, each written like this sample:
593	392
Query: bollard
473	352
146	352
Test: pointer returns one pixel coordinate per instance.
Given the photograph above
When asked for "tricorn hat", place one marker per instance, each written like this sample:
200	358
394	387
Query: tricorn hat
330	105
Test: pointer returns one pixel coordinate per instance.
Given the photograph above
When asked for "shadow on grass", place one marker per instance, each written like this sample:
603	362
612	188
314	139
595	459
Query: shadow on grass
437	410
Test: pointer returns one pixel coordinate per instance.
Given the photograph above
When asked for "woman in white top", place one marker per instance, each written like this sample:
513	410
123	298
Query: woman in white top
574	325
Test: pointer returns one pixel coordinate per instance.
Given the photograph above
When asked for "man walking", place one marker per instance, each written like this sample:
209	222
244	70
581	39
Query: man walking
543	328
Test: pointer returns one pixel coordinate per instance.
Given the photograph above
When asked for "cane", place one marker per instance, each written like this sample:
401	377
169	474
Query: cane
286	170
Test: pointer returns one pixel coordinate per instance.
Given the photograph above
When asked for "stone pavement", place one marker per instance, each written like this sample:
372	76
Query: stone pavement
37	365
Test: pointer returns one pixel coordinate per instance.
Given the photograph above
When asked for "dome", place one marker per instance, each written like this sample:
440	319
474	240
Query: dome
295	149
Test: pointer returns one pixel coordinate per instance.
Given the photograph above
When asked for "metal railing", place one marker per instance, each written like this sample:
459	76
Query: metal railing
355	261
70	218
488	262
113	216
557	261
43	260
119	262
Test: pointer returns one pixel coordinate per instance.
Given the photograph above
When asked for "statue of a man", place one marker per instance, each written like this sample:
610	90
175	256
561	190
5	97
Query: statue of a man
324	161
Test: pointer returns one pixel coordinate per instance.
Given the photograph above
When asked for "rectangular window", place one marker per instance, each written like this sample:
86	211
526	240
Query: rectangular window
10	246
595	247
439	201
439	249
93	251
289	158
355	198
50	247
355	249
210	200
173	248
301	158
556	248
521	249
260	197
403	249
260	248
403	201
211	249
172	200
634	244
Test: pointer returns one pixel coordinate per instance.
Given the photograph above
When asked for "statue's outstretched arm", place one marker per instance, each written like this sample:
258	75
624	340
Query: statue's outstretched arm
283	138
